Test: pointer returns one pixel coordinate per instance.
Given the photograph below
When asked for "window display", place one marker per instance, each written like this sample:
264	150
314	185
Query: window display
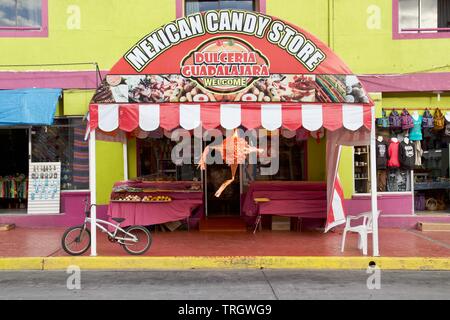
361	169
424	148
155	162
64	142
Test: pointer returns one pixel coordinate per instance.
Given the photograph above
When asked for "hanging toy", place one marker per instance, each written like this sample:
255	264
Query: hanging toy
234	148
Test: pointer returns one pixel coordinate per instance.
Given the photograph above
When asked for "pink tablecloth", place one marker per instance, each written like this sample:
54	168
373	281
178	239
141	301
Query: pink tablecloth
291	198
183	204
144	214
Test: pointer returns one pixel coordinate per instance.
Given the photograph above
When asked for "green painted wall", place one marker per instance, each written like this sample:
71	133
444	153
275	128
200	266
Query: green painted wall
360	32
109	168
316	160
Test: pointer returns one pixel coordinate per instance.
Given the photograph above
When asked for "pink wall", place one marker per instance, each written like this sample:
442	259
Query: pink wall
388	204
72	206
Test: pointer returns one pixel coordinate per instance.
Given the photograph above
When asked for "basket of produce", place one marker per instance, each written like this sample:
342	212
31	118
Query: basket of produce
156	199
128	198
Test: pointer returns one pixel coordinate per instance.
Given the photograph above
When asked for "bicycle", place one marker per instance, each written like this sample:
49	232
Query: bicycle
77	240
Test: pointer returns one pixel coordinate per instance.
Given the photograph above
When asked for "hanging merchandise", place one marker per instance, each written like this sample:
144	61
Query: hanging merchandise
381	180
439	120
418	153
398	180
447	126
395	121
407	156
407	120
393	161
383	122
427	119
415	133
382	149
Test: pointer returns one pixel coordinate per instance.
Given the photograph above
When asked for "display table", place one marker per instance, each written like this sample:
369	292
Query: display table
185	198
302	199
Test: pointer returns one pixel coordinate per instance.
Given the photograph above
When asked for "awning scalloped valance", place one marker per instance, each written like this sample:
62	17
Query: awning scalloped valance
149	117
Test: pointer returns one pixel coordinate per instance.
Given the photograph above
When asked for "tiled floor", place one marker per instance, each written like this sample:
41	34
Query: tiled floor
393	242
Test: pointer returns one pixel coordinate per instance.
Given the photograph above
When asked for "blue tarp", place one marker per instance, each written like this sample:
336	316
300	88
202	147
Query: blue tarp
28	106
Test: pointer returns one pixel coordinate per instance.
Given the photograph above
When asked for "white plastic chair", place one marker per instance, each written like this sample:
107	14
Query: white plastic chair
363	229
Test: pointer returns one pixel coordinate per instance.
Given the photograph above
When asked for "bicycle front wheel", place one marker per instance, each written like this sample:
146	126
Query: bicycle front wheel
76	240
143	243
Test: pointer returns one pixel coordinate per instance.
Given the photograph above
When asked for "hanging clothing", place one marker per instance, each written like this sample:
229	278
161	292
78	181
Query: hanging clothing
418	153
406	155
393	160
381	180
398	180
415	133
382	150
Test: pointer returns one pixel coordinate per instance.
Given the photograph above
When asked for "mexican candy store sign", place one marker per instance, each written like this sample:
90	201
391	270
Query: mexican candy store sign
229	55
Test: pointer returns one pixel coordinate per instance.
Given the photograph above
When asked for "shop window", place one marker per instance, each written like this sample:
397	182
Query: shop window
421	18
155	161
193	6
291	167
64	142
23	18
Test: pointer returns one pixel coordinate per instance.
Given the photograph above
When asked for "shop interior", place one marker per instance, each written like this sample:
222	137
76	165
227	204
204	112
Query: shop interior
155	164
411	158
13	170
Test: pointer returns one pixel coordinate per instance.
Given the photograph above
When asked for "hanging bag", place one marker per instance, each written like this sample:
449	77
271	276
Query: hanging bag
447	128
439	120
427	119
394	120
407	120
383	122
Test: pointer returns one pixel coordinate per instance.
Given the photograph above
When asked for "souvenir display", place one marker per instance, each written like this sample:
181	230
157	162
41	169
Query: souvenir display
44	187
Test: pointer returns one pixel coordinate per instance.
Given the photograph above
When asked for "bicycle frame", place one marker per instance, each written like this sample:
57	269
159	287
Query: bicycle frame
117	228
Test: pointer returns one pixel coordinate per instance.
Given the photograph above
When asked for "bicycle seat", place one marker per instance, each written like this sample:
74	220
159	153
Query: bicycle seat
118	220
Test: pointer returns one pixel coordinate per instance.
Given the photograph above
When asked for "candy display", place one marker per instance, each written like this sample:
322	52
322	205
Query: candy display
274	88
156	199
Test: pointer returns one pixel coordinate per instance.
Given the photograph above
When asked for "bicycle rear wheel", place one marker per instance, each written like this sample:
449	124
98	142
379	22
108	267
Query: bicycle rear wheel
143	243
76	240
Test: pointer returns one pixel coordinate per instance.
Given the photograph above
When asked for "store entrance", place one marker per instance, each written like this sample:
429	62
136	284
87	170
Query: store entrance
13	170
229	202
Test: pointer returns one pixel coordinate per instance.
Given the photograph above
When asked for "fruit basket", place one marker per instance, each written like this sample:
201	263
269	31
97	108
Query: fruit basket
156	199
127	198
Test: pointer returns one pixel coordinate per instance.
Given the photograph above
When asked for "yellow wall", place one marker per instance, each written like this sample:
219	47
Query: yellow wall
109	168
360	32
316	160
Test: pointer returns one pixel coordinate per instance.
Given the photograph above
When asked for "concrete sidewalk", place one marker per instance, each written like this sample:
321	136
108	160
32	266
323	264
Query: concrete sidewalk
40	249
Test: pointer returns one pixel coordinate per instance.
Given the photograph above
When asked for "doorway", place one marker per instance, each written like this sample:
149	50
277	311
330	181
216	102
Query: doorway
14	144
229	202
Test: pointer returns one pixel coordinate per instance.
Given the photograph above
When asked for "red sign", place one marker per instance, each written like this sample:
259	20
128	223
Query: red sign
230	56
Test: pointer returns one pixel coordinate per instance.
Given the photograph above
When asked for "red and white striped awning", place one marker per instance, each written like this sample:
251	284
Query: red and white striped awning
149	117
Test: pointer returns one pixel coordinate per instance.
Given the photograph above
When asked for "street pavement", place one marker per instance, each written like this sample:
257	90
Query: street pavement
224	284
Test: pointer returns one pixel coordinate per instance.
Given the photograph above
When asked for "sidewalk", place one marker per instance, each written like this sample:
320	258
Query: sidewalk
399	249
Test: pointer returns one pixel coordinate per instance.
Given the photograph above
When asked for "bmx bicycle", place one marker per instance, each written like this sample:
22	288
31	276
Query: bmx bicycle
135	240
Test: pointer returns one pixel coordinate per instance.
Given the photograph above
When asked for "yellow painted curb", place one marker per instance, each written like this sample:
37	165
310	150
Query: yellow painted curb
177	263
220	262
21	263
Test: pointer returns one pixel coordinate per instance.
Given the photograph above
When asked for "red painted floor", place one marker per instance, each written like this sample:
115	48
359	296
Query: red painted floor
393	242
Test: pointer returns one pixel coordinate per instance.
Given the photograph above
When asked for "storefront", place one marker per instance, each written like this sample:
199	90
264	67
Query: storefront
224	106
412	161
45	160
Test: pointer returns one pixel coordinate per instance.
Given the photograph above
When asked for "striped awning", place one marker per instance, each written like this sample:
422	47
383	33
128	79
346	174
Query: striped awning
149	117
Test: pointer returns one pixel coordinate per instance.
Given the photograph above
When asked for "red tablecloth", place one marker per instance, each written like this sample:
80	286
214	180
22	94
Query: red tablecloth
287	198
140	213
184	202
